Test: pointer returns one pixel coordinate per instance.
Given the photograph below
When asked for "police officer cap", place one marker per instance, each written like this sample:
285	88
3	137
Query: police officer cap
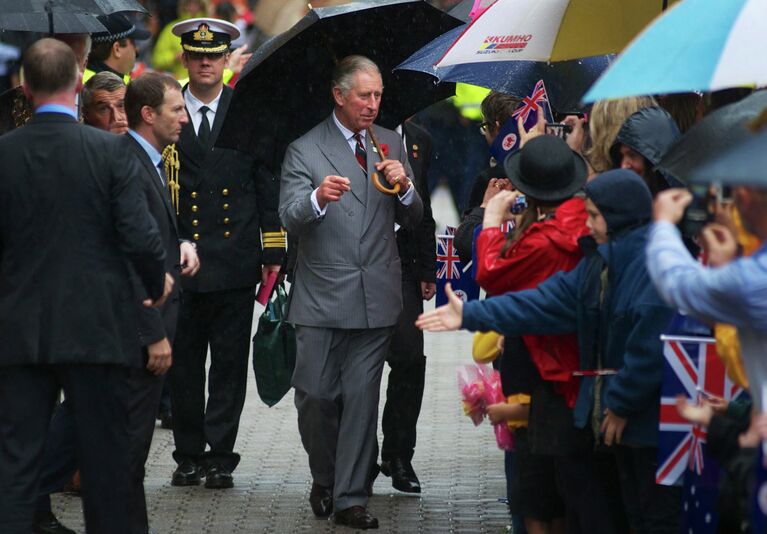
119	27
206	36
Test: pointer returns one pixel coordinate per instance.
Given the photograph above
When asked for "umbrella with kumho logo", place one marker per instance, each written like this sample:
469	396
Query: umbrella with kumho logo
551	30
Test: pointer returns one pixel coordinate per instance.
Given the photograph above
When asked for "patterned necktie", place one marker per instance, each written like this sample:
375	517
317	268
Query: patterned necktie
361	155
161	170
203	134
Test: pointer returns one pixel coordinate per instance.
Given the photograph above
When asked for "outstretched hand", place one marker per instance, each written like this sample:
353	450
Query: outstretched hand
445	318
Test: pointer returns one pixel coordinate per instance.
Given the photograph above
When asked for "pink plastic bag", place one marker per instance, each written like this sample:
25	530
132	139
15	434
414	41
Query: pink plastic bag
480	386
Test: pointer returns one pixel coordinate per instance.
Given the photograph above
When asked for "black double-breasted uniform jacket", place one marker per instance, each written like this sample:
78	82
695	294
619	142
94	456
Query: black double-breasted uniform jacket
417	247
227	205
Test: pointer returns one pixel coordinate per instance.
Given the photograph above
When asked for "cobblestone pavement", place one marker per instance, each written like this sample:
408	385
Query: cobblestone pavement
460	468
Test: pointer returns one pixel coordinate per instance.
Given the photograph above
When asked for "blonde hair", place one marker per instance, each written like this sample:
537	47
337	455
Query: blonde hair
605	121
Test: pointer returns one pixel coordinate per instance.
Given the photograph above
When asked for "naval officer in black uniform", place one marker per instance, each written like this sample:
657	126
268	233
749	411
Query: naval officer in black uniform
227	205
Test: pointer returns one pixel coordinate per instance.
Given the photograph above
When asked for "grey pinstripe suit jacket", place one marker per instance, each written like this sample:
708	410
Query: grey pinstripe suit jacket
348	267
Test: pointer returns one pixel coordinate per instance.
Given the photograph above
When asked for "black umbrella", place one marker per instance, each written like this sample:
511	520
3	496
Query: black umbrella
741	164
61	16
284	90
718	131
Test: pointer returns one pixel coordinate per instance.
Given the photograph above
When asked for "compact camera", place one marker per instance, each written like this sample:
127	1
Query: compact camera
519	205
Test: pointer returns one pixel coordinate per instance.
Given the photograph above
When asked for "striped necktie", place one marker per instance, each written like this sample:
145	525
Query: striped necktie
360	154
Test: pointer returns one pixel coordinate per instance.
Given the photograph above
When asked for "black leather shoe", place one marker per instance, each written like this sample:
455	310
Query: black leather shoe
402	475
355	517
321	499
46	523
187	473
218	477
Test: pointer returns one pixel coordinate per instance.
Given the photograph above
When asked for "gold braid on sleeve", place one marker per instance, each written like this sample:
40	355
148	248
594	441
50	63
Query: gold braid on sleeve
172	165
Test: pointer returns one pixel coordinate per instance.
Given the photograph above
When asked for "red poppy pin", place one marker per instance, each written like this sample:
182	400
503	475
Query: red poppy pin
385	150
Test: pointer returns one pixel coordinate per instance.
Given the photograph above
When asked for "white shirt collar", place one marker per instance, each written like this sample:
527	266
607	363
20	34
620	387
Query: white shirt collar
347	133
193	104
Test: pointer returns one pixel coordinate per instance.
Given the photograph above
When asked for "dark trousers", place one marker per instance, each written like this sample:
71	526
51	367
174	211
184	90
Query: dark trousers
587	503
221	320
651	508
404	392
27	395
59	461
141	394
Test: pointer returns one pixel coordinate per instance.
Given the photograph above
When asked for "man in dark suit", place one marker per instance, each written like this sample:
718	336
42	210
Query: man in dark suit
72	220
227	203
156	113
417	251
103	107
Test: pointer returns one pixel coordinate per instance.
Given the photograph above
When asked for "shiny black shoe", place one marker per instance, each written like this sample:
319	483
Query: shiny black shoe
355	517
403	477
321	500
218	477
187	473
46	523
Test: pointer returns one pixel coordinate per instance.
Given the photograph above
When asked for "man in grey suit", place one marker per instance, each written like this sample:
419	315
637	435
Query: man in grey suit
346	296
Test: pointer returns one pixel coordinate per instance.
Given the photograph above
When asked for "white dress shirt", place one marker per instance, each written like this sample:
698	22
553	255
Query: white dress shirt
193	105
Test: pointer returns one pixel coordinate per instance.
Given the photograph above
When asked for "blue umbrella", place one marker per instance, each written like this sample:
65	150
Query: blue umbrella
566	81
698	45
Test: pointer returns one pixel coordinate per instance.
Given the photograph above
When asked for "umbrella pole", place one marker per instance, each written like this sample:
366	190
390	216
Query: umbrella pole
374	177
49	10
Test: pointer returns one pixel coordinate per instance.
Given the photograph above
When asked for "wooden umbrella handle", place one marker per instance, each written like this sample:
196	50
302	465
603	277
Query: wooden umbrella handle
374	176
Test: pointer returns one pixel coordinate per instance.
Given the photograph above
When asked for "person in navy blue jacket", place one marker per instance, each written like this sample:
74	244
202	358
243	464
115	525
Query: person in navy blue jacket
609	300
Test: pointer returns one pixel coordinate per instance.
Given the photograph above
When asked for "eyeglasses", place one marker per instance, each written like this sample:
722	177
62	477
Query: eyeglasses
484	127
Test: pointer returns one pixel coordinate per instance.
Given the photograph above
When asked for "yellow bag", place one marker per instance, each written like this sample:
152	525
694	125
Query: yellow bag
484	347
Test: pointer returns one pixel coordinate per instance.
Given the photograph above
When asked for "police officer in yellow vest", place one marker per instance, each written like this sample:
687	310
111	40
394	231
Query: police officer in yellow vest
114	50
227	205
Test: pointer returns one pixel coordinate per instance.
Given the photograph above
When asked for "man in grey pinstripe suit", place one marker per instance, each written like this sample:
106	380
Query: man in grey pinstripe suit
346	296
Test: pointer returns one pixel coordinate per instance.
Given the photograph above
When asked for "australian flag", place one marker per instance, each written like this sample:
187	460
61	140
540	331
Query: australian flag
507	140
692	368
450	269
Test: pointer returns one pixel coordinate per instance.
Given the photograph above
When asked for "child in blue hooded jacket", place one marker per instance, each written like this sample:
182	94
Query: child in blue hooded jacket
610	302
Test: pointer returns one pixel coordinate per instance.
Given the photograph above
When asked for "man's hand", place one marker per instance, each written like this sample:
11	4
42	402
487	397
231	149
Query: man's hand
612	428
149	303
190	262
495	186
670	204
428	290
394	172
160	358
538	129
238	59
332	189
498	210
266	269
577	136
444	318
720	245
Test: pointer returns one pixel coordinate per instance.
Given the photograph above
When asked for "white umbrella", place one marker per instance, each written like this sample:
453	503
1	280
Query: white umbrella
551	30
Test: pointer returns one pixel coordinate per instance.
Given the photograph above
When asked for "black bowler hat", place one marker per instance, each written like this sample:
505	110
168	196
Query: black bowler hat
119	27
546	169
